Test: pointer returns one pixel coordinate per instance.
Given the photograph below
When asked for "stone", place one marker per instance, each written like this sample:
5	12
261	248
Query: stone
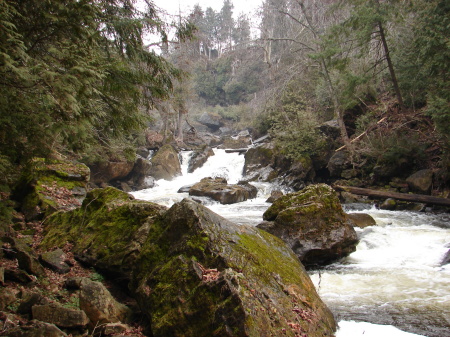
218	189
338	163
29	263
29	299
107	232
36	328
105	172
421	181
199	158
212	121
165	163
240	141
47	186
258	158
2	276
60	316
446	259
7	297
55	260
154	139
274	195
100	306
201	275
361	220
313	224
17	275
115	328
389	204
138	176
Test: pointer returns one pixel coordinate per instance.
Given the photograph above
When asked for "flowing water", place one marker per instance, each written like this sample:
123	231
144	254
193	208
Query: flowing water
392	286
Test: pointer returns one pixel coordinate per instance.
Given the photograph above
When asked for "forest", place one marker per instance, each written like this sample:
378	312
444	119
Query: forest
80	79
214	173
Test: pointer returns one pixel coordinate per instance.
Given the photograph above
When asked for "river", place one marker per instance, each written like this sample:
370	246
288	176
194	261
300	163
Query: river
393	285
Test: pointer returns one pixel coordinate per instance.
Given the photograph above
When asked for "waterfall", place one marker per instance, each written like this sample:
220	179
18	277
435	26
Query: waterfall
394	279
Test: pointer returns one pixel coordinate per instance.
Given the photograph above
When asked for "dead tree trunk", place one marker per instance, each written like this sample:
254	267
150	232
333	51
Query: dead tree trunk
420	198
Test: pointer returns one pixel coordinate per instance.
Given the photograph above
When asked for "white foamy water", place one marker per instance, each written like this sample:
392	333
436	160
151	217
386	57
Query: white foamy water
394	279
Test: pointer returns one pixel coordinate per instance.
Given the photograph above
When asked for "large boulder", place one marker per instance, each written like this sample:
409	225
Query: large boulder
313	224
60	316
47	186
212	121
107	171
165	163
219	190
138	177
199	158
107	232
421	181
201	275
361	220
339	163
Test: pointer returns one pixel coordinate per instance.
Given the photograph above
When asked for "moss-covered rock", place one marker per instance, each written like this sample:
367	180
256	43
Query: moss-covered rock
47	186
165	163
107	231
313	224
219	190
201	275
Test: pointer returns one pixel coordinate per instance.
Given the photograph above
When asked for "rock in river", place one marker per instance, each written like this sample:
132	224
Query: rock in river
313	224
219	190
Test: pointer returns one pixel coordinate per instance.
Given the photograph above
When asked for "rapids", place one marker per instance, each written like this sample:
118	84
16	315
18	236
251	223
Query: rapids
393	285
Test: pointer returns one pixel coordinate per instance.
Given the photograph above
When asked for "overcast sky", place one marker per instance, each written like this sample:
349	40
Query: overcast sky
246	6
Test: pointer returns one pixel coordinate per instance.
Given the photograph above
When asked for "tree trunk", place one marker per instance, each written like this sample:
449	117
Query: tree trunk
390	65
420	198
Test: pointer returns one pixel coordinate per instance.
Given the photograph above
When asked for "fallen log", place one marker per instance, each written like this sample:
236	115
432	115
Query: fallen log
420	198
236	150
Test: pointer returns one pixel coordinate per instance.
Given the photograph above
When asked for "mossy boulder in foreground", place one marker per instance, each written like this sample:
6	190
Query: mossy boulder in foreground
106	232
313	224
198	274
47	186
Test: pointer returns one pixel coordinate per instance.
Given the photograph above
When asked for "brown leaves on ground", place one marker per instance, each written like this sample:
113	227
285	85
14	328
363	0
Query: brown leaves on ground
61	195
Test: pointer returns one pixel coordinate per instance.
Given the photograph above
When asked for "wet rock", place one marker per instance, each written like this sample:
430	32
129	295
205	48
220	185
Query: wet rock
201	275
389	204
165	163
240	141
218	189
107	232
47	186
421	181
55	260
138	176
36	328
7	297
274	195
361	220
60	316
446	259
313	224
257	159
99	305
199	158
105	172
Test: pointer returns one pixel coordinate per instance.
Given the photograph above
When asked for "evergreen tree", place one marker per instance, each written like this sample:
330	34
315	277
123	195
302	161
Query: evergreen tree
75	75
